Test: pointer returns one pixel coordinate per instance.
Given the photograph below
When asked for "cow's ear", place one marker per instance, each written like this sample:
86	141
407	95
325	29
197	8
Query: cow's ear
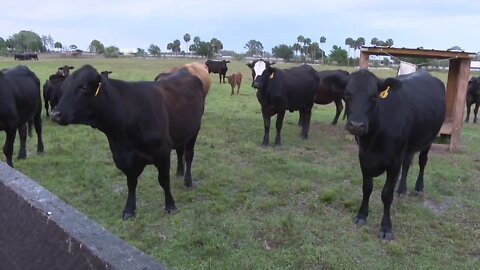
389	84
250	65
70	67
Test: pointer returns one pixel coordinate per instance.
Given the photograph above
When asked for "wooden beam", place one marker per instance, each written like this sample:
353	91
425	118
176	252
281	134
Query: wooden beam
460	97
363	60
415	53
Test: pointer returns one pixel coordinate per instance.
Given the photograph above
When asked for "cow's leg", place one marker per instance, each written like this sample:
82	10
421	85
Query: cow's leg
163	167
402	187
300	118
307	113
278	125
45	101
386	232
367	188
468	113
339	106
8	146
422	162
22	132
220	77
266	127
37	122
238	89
132	179
475	111
233	88
180	162
189	153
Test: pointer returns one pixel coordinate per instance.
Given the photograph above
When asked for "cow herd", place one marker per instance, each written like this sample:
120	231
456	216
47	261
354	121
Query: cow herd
391	119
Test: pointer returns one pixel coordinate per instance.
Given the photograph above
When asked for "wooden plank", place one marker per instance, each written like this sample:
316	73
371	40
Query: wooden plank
437	54
446	128
461	95
451	91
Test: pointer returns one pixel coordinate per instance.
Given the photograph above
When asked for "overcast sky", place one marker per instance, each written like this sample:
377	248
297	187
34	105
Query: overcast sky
138	23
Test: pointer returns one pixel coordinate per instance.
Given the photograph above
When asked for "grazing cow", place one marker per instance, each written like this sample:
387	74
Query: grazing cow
21	56
33	56
65	70
105	73
473	97
235	80
279	90
391	120
197	69
20	104
143	122
52	91
219	67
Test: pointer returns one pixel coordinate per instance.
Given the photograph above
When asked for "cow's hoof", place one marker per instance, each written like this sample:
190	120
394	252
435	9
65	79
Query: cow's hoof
387	236
401	194
170	209
359	222
126	215
22	157
191	186
417	193
41	153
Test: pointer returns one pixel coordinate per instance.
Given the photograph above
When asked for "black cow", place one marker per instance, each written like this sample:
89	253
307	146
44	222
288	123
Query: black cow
65	70
327	93
33	56
52	91
279	90
20	104
143	122
21	56
473	97
219	67
392	119
105	73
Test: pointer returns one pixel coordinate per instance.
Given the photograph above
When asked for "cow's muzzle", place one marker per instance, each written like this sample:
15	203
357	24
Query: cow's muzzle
356	128
58	118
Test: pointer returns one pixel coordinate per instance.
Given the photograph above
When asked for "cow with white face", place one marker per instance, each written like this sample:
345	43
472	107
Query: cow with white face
279	90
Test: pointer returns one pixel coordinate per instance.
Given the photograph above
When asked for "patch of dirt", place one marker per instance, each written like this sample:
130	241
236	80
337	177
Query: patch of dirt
438	208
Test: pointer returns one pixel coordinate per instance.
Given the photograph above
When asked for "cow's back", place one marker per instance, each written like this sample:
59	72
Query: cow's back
21	88
184	101
295	86
416	111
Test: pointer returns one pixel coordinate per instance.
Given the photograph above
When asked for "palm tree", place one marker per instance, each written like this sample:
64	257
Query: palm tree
300	40
296	47
389	42
306	46
349	42
322	41
358	44
186	38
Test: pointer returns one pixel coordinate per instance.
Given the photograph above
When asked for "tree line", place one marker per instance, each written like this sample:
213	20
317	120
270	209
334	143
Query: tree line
304	49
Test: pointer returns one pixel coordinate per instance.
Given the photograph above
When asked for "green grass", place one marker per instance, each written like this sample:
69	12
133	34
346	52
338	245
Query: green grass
288	207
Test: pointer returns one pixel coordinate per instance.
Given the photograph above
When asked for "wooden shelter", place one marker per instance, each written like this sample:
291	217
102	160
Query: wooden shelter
456	92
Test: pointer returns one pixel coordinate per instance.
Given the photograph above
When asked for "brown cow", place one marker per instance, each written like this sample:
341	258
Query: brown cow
235	80
197	69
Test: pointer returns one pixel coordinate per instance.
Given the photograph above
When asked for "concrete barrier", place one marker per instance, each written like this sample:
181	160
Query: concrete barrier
39	231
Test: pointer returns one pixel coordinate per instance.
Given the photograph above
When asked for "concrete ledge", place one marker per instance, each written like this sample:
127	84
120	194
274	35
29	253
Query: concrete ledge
39	231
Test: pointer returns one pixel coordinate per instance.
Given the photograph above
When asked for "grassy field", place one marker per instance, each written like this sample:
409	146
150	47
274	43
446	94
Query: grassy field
288	207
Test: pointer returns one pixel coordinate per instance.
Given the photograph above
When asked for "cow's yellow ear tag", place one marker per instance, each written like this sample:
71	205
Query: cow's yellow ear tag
384	93
271	76
98	89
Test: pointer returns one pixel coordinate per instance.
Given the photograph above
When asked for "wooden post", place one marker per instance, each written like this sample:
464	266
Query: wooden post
450	95
363	60
463	72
